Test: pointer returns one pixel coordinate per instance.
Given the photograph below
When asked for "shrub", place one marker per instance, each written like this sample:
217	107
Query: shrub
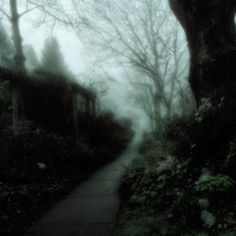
203	137
110	131
214	184
140	226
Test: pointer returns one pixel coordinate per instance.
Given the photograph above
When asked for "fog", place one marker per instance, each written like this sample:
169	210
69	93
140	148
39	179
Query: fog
109	126
81	56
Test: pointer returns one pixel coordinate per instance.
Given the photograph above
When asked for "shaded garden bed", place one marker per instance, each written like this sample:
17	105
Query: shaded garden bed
38	168
186	190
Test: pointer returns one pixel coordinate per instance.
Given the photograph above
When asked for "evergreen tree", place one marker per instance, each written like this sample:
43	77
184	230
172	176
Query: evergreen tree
6	49
52	58
32	61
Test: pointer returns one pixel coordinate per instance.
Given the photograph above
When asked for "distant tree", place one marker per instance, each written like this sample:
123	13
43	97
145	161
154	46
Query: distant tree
52	58
6	48
140	35
32	60
135	34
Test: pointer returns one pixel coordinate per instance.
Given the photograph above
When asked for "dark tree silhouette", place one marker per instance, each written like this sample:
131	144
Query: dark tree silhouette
6	48
11	12
52	58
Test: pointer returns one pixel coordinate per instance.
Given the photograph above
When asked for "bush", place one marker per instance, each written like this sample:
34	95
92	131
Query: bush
39	167
204	138
112	132
193	192
185	203
140	226
214	184
61	156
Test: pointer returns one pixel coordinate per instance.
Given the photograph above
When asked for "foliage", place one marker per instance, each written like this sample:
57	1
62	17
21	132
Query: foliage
52	58
23	204
38	164
214	184
48	101
204	136
6	49
42	160
118	137
30	147
190	192
32	61
139	226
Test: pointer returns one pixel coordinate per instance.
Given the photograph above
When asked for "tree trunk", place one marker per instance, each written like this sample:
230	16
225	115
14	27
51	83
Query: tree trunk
17	39
19	70
210	30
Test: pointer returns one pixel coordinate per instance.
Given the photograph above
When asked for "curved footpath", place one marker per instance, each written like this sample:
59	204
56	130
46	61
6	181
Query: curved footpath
91	209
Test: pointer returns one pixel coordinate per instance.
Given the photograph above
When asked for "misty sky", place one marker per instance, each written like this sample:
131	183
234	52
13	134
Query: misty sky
80	59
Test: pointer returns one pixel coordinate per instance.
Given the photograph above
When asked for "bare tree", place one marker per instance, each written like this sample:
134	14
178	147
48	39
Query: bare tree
139	38
142	97
140	35
143	37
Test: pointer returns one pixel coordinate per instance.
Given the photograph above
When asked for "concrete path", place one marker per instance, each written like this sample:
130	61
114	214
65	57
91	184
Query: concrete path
91	209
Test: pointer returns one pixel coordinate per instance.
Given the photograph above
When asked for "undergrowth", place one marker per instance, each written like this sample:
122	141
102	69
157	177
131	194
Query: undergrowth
186	190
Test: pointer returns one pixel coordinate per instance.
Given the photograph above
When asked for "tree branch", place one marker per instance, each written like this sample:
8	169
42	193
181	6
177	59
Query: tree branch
5	14
53	15
27	11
